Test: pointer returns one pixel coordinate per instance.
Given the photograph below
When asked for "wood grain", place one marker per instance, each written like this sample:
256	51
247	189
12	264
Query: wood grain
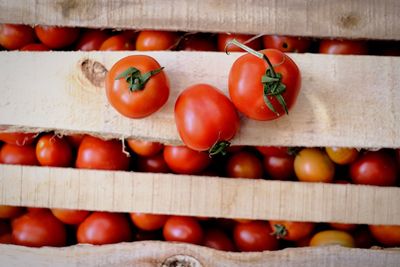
197	195
341	18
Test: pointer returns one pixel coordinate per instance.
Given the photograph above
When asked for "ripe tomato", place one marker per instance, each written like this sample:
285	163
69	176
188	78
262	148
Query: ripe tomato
152	164
217	239
363	237
5	233
374	168
148	222
101	228
52	150
91	40
183	160
332	237
20	155
156	40
292	231
288	44
313	165
342	155
279	168
56	37
183	229
198	42
225	38
35	47
205	118
343	226
75	139
261	92
69	216
94	153
273	151
343	47
14	36
388	235
9	212
145	148
244	164
120	42
37	229
254	236
20	139
136	86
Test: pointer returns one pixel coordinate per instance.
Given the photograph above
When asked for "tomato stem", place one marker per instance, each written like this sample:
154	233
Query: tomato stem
279	231
135	79
219	148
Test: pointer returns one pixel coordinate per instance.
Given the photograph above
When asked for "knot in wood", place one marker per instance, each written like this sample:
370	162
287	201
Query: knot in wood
94	71
181	261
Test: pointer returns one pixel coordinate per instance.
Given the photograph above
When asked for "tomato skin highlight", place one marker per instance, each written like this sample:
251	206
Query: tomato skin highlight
183	160
388	235
56	37
313	165
20	155
204	116
183	229
156	40
14	36
55	151
254	236
144	148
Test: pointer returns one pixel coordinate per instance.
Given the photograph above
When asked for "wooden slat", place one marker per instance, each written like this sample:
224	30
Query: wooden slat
341	18
344	101
197	195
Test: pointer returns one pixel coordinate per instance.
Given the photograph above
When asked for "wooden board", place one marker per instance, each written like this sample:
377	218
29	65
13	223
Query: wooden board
166	254
344	101
342	18
197	195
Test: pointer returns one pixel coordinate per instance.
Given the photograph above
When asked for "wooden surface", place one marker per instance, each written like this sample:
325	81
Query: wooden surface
163	254
344	101
197	195
341	18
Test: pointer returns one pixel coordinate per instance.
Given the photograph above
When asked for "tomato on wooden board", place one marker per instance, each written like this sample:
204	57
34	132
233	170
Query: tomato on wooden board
332	237
55	151
183	229
56	37
91	40
388	235
217	239
374	168
273	151
9	212
136	86
198	42
14	36
144	148
152	164
205	118
35	47
254	236
292	231
95	153
244	164
20	139
156	40
69	216
343	47
101	228
348	227
183	160
288	44
120	42
148	222
342	155
20	155
224	38
75	139
313	165
279	168
37	229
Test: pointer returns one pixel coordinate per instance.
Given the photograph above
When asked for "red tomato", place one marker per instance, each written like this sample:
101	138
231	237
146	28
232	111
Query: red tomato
5	233
388	235
363	237
20	155
20	139
120	42
288	44
9	212
343	47
183	229
205	118
224	38
254	236
217	239
198	42
35	209
148	222
37	229
133	94
55	151
273	151
292	231
152	164
343	226
260	100
279	168
374	168
313	165
69	216
35	47
75	139
156	40
104	228
14	36
95	153
342	155
91	40
183	160
145	148
244	164
56	37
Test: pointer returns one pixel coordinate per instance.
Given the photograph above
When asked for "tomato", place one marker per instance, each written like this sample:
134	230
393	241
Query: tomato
8	212
343	226
217	239
145	148
288	44
56	37
101	228
94	153
35	47
332	237
156	40
5	233
374	168
152	164
279	168
363	237
120	42
75	139
343	47
91	40
205	118
388	235
259	92
273	151
148	222
224	38
244	164
36	209
198	42
147	235
20	155
52	150
20	139
292	231
133	94
69	216
313	165
342	155
183	160
14	36
37	229
254	236
183	229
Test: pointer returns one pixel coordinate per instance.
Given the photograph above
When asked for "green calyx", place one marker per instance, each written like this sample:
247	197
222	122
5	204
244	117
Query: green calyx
135	79
219	148
279	231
